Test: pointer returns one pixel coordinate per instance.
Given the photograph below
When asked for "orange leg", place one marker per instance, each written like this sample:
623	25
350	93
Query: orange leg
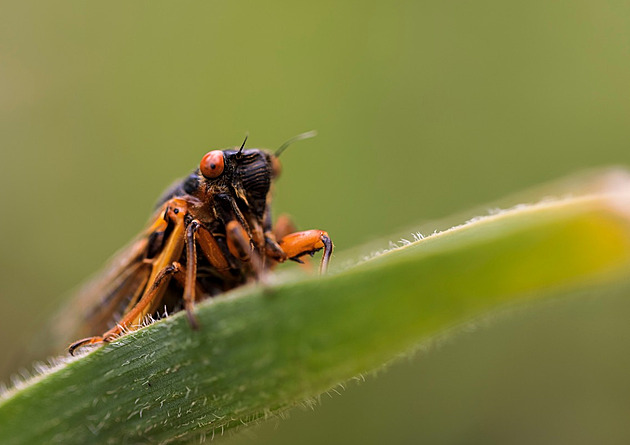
308	242
131	282
213	253
160	283
239	245
258	236
283	227
273	250
180	277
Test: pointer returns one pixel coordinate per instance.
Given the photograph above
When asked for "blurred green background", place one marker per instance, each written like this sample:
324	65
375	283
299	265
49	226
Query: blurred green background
423	109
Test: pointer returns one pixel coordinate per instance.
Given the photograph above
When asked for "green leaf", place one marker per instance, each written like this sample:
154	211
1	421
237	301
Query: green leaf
261	350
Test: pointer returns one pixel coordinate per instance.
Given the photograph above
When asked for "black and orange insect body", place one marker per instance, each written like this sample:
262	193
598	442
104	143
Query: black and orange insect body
211	233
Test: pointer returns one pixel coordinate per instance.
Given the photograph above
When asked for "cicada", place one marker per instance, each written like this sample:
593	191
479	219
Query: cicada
211	232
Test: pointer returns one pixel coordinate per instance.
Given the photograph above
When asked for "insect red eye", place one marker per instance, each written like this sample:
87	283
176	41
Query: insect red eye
211	164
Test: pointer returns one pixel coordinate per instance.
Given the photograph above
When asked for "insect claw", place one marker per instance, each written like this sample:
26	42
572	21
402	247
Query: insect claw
328	248
83	342
71	349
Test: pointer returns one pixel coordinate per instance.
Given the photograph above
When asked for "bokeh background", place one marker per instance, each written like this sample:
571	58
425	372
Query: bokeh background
424	109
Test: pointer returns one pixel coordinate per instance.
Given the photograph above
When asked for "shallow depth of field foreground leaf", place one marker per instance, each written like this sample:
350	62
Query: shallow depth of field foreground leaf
262	350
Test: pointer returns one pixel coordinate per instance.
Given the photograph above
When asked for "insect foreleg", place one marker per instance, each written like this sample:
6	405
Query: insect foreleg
283	227
180	275
213	253
301	243
129	285
273	249
161	281
240	245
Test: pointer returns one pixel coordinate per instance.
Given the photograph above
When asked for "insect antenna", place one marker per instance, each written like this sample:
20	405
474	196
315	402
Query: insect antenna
299	137
243	144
